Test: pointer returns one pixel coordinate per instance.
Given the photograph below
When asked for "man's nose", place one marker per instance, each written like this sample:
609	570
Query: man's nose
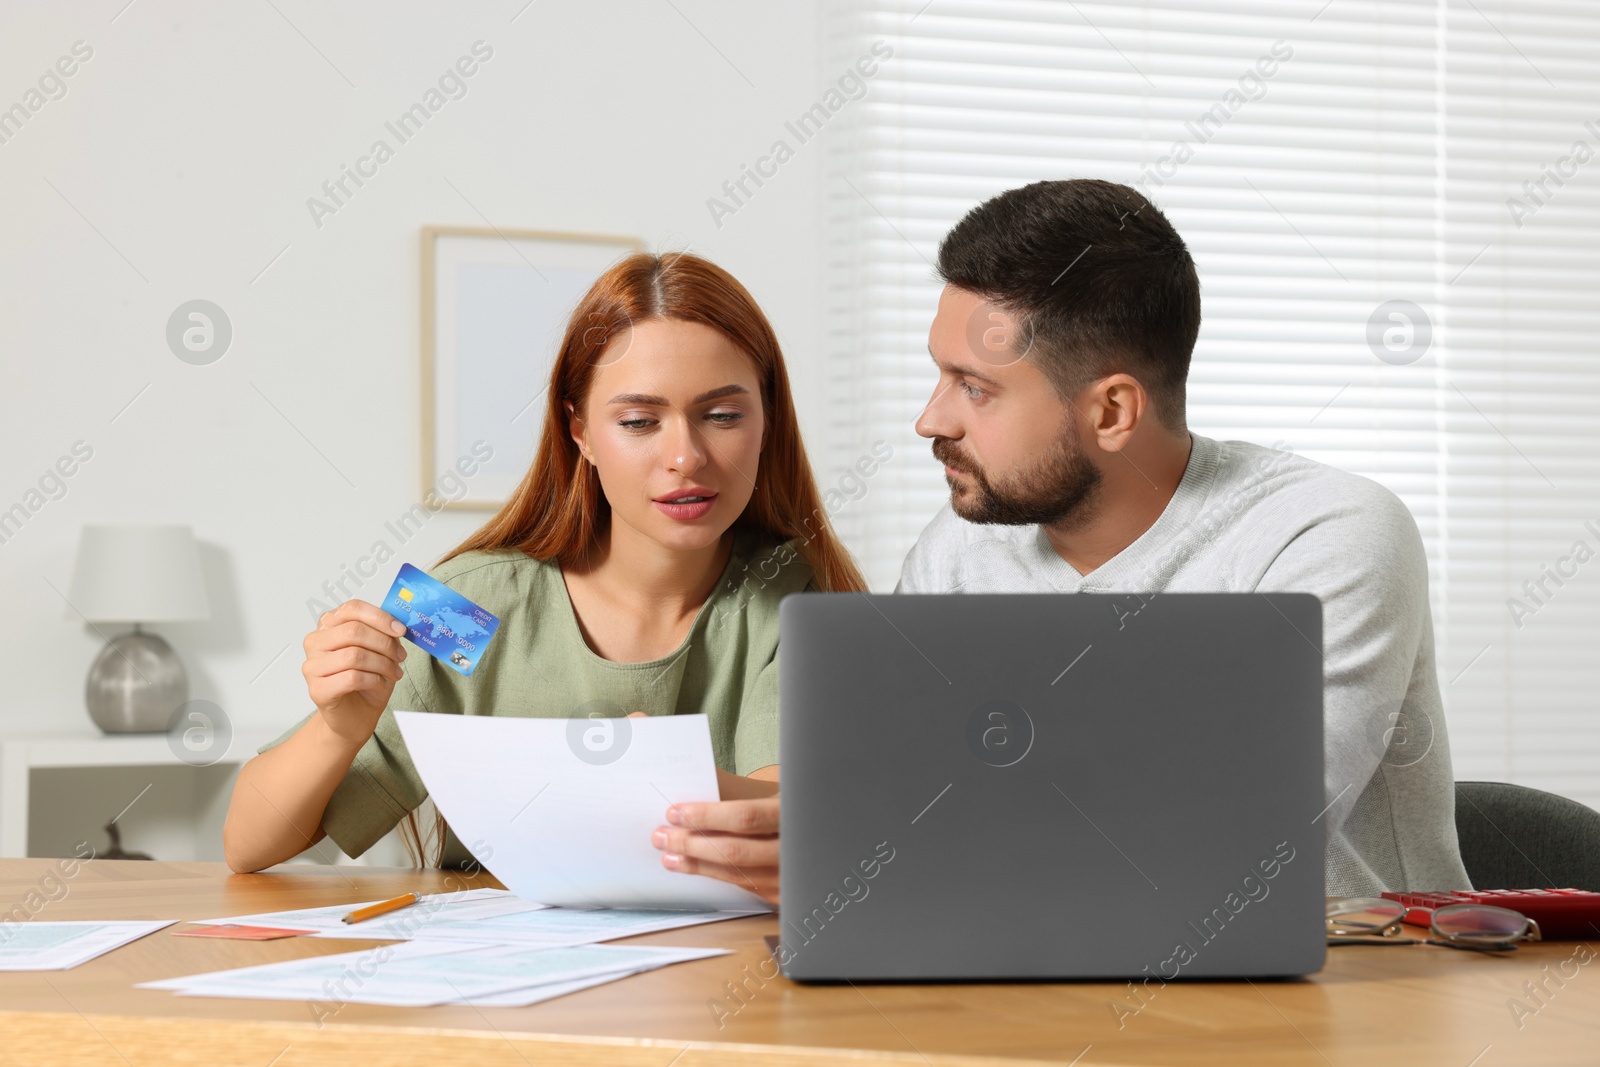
935	420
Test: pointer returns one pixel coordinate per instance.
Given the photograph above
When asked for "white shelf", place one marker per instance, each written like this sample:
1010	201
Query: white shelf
22	754
92	749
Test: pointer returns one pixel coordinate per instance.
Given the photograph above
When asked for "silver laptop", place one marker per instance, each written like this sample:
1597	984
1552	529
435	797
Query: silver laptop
1003	786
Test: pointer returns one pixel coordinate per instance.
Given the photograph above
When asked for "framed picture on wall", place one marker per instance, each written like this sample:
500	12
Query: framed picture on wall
495	304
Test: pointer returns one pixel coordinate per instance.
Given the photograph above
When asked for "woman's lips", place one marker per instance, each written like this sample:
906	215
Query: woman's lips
687	512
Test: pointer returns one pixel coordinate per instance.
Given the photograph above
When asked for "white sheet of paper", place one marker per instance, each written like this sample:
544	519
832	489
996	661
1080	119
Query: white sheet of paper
522	998
287	971
420	974
565	829
496	916
57	946
516	998
540	926
409	923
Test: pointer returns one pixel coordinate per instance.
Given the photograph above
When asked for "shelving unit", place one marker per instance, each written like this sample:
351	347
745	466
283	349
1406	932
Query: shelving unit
21	755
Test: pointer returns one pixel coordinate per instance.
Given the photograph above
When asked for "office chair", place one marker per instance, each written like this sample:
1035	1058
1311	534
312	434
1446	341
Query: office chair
1514	837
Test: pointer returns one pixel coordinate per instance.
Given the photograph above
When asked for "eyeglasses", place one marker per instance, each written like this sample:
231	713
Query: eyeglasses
1480	927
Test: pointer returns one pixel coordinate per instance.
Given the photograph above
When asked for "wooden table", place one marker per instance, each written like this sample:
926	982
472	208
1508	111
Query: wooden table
1371	1006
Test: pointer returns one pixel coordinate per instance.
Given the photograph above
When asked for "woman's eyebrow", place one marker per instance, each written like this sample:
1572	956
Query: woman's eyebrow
662	402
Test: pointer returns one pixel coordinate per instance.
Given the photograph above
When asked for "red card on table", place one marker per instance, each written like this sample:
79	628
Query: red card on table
241	933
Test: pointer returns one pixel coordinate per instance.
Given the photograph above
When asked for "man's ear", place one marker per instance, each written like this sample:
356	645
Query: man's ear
576	428
1115	406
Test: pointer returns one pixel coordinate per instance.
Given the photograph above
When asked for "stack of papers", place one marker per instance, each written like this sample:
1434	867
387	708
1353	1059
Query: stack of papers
495	916
41	946
482	946
420	974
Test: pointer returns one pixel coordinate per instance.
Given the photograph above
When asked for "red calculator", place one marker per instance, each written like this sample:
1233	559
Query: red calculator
1562	914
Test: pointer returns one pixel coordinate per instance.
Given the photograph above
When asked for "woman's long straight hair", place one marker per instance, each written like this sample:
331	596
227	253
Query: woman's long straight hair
558	511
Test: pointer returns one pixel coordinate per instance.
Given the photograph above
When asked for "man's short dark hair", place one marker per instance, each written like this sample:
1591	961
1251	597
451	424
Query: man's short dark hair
1097	278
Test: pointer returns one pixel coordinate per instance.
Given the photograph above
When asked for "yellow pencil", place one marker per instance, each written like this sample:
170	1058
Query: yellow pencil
372	911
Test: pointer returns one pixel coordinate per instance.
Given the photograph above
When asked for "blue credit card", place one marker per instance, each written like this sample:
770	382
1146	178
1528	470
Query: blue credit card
439	620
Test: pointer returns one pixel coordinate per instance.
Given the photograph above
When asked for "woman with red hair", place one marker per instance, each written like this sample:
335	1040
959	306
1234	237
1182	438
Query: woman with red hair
636	569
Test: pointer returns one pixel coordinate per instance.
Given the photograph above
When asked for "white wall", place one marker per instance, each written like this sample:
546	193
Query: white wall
178	165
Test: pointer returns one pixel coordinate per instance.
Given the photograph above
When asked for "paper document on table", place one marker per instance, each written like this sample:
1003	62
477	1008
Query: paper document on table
522	998
57	946
497	916
539	926
423	973
416	920
561	810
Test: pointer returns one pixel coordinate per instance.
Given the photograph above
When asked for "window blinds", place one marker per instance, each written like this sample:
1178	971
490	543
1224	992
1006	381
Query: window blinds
1393	207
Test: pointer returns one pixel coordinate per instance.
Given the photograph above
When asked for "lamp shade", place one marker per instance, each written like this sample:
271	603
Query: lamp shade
138	574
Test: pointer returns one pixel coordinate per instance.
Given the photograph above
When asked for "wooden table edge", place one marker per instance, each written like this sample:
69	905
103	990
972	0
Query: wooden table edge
162	1039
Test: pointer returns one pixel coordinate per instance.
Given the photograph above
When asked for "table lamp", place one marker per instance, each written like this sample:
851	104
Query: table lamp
137	574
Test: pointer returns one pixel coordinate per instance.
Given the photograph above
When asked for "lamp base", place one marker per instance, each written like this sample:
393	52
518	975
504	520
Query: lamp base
135	685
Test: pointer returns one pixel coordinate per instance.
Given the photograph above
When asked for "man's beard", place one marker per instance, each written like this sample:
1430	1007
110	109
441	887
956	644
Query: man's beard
1058	491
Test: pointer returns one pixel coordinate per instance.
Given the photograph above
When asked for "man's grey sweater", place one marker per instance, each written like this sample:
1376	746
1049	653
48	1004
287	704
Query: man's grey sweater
1252	519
